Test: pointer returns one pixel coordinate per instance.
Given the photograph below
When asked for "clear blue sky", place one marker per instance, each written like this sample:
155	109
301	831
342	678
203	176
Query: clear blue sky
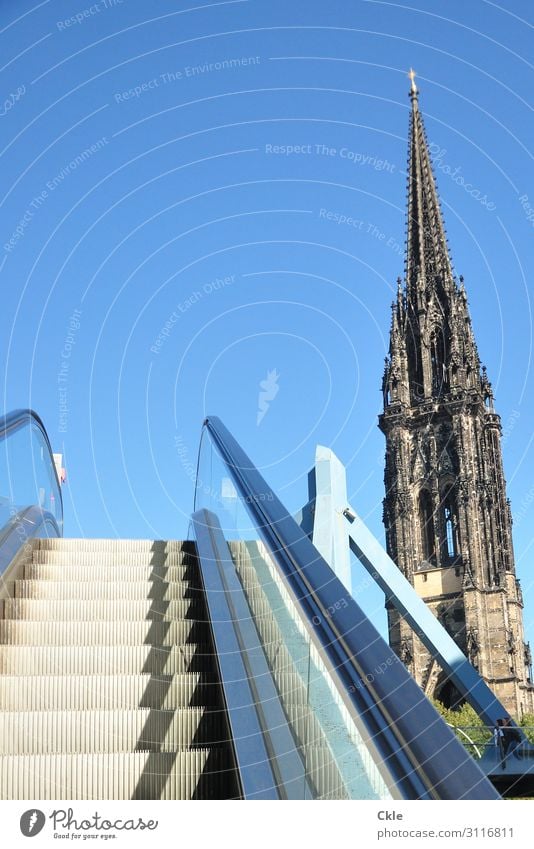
144	158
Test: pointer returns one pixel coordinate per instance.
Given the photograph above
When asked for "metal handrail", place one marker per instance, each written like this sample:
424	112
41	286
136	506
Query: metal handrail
25	525
489	743
15	420
470	742
422	754
27	521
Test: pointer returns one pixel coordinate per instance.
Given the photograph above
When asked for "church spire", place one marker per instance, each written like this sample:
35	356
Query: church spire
428	266
432	349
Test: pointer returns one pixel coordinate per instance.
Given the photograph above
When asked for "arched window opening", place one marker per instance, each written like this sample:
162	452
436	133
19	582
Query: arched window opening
448	532
446	693
427	527
417	386
437	360
415	366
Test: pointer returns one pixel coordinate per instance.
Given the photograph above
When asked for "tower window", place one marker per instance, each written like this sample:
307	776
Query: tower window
437	361
426	515
449	532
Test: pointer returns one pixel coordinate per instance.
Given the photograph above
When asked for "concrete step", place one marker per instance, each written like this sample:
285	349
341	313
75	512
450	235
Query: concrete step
106	590
56	572
112	558
189	774
103	660
101	609
86	731
86	544
82	633
107	692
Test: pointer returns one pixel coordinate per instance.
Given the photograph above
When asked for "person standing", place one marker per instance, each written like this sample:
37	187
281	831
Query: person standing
498	739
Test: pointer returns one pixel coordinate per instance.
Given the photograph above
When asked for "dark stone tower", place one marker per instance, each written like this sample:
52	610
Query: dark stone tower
447	518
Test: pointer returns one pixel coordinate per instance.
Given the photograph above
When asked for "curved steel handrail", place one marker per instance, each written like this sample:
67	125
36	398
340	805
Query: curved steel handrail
23	526
32	515
470	742
427	755
15	420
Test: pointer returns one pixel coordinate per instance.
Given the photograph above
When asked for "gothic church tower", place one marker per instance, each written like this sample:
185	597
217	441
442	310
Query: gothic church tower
447	518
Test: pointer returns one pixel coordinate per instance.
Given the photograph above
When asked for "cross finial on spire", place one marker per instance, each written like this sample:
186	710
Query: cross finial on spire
412	75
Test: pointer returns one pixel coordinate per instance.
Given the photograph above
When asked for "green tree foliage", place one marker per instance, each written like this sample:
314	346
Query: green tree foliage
528	724
473	729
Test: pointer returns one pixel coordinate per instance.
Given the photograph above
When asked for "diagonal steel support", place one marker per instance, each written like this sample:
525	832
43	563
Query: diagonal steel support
430	631
334	527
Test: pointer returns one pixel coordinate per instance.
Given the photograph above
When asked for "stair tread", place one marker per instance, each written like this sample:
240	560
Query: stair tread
81	609
101	659
102	632
195	773
112	558
71	692
86	589
133	729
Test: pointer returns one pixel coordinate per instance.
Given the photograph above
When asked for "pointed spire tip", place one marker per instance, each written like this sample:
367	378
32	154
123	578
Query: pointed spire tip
413	90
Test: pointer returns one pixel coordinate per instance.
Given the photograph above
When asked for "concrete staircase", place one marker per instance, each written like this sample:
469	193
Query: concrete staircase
108	685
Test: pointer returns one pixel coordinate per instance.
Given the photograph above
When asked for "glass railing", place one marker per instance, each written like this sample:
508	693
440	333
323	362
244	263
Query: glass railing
30	495
361	726
336	761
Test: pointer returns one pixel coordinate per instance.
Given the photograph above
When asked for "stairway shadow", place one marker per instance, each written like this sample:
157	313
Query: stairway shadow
217	780
151	784
209	750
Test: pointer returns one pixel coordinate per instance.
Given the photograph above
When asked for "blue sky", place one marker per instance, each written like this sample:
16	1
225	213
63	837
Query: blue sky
176	184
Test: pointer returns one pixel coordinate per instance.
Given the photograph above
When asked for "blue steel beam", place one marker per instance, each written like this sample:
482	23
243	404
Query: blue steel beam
432	634
330	485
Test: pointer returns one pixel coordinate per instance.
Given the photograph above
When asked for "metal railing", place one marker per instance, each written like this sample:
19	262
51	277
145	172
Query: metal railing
31	503
479	740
